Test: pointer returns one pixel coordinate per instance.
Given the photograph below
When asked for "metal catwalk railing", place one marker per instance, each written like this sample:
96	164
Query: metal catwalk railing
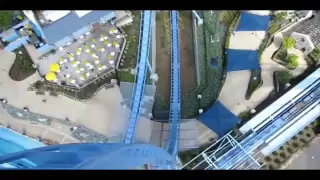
141	74
90	156
174	118
232	156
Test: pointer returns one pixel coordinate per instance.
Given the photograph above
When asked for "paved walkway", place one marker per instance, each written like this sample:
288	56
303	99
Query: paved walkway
236	83
307	159
235	87
96	114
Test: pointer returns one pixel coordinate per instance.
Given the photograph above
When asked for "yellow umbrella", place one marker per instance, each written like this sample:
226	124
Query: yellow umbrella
94	40
55	67
115	43
99	66
86	62
105	42
74	62
112	30
60	58
101	35
50	76
99	48
109	57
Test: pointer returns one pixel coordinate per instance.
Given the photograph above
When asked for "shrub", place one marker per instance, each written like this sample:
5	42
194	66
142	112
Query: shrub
274	27
283	155
268	159
290	150
281	16
277	161
295	145
293	61
288	42
284	76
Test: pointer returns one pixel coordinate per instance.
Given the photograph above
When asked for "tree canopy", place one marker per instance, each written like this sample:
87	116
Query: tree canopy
293	61
288	42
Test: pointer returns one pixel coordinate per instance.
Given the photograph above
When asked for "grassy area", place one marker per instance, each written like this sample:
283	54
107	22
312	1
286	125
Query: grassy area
254	83
282	55
22	66
234	22
226	17
82	94
245	115
132	36
125	76
6	18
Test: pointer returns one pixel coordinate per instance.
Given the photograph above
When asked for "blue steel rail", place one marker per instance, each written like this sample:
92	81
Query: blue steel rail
256	139
141	74
174	118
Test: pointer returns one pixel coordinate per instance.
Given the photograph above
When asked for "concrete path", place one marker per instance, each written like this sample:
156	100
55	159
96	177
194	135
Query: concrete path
97	114
236	83
307	159
246	40
235	87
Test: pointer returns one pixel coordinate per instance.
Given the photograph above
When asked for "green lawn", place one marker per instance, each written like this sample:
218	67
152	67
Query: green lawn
125	76
6	19
22	66
254	83
132	32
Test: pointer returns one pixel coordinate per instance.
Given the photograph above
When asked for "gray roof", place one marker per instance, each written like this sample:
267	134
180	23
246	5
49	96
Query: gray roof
70	24
302	13
311	27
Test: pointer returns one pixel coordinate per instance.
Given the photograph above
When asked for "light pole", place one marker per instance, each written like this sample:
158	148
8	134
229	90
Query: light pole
200	110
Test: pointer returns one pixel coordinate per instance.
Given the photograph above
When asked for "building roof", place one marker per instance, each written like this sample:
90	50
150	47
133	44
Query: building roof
311	27
70	24
302	13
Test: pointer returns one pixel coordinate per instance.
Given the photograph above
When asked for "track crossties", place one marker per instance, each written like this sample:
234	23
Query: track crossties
188	74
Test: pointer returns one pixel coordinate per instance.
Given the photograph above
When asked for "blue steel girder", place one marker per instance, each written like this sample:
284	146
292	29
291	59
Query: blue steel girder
174	118
141	73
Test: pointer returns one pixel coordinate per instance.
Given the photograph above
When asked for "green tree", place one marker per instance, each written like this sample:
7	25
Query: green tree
293	61
281	16
273	28
284	77
288	43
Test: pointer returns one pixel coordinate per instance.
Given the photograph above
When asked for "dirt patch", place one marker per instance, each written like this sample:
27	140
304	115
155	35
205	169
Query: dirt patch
163	54
187	67
22	66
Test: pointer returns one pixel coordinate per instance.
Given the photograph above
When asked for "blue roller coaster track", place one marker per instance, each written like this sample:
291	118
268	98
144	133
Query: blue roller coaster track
141	74
126	155
174	118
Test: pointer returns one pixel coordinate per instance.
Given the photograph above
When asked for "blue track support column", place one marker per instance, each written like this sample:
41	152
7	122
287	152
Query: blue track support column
140	77
174	121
